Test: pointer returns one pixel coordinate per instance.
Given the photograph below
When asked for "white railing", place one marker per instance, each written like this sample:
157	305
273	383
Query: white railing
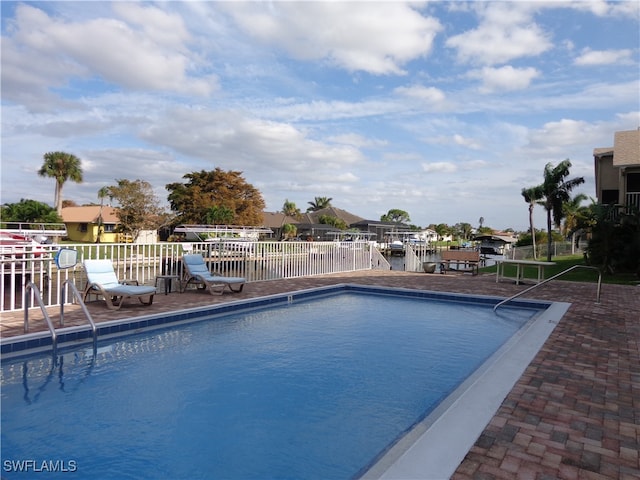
255	261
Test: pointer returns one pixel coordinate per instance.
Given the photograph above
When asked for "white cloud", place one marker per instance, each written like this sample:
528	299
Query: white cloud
373	37
439	167
504	78
59	50
590	57
430	95
229	138
466	142
505	33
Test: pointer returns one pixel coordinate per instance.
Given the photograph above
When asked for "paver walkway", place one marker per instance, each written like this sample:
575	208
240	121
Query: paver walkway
574	413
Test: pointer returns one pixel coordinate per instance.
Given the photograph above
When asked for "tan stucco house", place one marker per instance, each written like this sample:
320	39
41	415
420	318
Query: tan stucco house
617	170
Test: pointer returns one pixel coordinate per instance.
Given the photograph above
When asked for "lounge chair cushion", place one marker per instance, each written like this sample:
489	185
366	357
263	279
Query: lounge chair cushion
196	270
102	280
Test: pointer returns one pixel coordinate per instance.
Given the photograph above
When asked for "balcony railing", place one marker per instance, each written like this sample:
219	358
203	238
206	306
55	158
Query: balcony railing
633	200
255	261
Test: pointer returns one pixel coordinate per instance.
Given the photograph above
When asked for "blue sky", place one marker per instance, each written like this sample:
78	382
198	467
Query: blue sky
443	109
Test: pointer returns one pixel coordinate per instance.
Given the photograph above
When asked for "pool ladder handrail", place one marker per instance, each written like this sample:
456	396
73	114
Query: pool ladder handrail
36	294
54	336
78	298
553	278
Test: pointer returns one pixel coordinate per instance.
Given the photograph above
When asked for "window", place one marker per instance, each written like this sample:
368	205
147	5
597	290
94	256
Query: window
609	196
633	182
82	227
109	227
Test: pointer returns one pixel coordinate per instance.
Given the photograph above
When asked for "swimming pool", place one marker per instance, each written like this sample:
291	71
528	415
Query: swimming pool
317	384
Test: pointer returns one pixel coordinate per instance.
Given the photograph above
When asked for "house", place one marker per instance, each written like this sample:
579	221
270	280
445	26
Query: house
91	223
275	222
309	225
617	170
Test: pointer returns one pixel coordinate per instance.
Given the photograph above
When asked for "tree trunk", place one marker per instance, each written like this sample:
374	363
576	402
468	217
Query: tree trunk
548	235
533	231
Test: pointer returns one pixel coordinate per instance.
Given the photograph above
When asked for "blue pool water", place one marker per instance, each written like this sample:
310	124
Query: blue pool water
311	389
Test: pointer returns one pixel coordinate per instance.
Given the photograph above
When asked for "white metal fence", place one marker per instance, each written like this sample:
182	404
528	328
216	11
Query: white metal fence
557	249
255	261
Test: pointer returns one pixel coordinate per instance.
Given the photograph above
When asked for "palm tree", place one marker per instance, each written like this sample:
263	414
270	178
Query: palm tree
103	193
61	166
319	203
531	196
573	212
556	191
290	209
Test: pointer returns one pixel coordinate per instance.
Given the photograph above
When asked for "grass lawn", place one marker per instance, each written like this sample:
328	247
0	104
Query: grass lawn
577	275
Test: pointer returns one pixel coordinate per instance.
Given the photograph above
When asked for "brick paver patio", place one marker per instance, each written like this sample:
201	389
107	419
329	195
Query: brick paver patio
574	413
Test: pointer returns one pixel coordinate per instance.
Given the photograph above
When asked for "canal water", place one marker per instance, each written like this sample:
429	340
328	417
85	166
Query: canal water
397	261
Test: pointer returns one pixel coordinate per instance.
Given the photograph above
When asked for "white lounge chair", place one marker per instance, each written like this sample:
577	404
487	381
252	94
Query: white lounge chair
102	280
197	272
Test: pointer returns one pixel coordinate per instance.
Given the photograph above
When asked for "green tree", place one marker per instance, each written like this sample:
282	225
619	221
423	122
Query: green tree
62	167
138	207
290	209
614	245
289	230
395	215
442	229
203	190
102	194
219	215
573	211
463	230
532	195
333	221
556	191
29	211
319	203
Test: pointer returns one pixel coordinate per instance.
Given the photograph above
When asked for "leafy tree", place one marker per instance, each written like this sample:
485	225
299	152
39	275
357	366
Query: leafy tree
333	221
573	211
61	166
442	229
219	216
463	230
556	191
193	200
319	203
138	208
395	215
29	211
289	230
614	245
532	195
102	194
290	209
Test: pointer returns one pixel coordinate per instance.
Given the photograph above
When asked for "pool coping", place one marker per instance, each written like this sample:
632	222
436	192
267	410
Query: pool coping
435	447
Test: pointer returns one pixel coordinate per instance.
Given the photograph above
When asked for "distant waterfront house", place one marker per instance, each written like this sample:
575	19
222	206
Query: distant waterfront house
617	170
275	221
84	224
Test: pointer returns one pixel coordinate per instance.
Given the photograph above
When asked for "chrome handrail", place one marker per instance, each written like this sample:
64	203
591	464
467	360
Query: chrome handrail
32	286
552	278
78	298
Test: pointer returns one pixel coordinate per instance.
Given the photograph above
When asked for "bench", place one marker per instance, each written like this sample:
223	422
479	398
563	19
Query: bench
464	261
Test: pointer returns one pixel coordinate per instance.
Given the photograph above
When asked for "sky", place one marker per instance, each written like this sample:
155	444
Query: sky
445	110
